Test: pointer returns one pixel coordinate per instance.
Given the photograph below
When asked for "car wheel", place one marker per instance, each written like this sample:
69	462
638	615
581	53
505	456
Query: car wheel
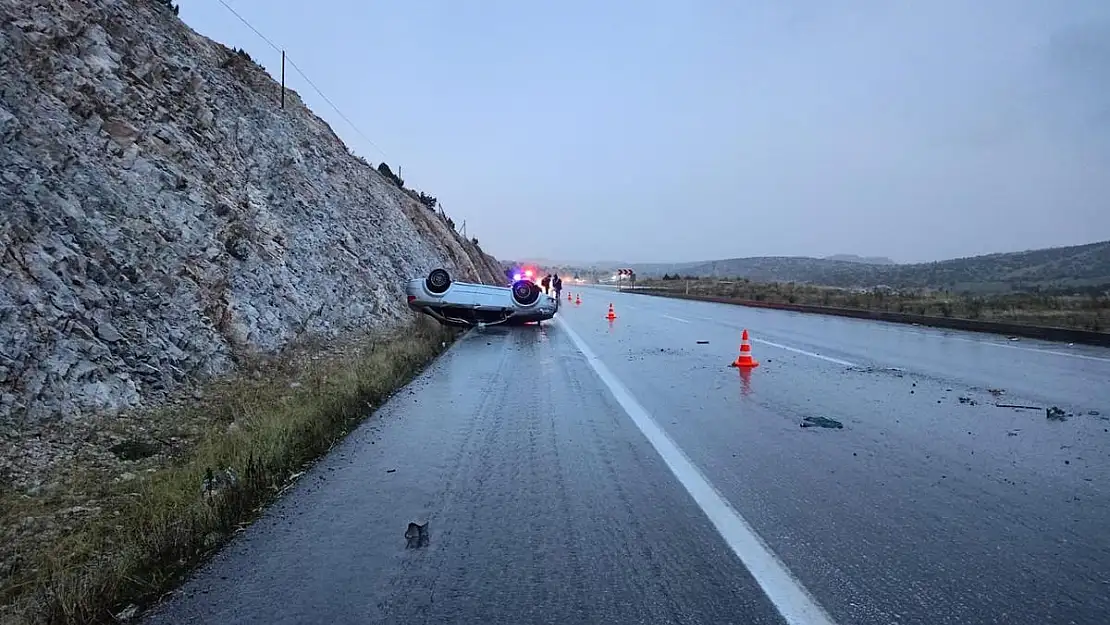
438	281
525	293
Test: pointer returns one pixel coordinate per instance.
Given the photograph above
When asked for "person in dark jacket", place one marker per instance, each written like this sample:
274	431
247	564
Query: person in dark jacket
546	282
557	283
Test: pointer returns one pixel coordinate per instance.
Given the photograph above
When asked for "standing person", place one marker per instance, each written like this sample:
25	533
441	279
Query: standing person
546	282
557	282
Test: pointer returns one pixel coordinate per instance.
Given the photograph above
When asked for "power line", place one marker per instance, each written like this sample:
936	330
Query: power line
244	20
339	112
307	79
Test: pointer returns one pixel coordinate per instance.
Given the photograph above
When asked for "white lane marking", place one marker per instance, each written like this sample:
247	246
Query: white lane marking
805	353
792	600
676	319
1030	349
787	347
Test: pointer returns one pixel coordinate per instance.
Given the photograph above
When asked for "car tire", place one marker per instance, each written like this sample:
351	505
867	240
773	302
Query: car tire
438	281
525	292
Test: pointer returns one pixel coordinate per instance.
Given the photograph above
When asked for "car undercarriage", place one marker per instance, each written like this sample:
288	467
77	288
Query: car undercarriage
468	304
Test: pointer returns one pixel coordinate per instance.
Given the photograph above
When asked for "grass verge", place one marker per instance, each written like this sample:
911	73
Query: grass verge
103	539
1074	312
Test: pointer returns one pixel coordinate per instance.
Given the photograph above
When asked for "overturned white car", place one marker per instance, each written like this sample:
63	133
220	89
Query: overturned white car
466	304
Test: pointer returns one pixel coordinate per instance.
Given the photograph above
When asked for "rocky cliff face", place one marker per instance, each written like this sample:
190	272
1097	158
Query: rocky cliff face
162	214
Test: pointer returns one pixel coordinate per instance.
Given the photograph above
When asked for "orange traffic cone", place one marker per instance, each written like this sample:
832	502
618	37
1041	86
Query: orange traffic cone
568	296
612	315
577	300
745	358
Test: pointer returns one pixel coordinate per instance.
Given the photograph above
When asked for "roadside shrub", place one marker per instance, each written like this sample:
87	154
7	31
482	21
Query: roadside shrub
428	201
170	4
384	170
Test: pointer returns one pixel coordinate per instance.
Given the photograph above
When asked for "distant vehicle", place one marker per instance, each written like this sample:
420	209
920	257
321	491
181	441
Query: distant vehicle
467	304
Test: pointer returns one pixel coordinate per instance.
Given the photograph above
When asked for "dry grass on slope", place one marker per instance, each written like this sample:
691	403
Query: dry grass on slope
147	497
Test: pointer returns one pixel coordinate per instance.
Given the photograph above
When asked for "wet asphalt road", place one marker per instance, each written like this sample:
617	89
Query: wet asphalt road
547	504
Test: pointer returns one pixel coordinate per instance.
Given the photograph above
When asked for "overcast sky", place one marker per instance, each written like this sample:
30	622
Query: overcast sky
686	130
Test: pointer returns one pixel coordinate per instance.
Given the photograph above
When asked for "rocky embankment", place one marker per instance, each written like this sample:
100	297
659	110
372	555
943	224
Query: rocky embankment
163	216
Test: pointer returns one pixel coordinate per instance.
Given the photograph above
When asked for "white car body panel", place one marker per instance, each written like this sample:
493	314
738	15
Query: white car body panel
467	304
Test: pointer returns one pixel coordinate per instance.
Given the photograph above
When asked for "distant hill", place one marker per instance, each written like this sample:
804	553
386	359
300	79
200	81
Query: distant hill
867	260
1078	266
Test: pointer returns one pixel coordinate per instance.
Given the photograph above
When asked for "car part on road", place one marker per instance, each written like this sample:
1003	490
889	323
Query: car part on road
416	535
822	422
1056	413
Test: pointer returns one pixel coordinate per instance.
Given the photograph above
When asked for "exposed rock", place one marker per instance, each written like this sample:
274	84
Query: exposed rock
163	215
108	332
134	450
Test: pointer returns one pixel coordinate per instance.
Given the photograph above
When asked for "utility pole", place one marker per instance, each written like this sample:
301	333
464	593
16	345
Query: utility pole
283	79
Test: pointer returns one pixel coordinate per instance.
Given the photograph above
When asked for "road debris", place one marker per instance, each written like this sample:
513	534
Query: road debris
897	372
969	401
821	422
1055	414
128	613
1019	406
416	535
703	342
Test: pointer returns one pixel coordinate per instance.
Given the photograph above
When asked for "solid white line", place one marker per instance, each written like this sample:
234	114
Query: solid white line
805	353
1029	349
947	338
792	600
787	347
676	319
